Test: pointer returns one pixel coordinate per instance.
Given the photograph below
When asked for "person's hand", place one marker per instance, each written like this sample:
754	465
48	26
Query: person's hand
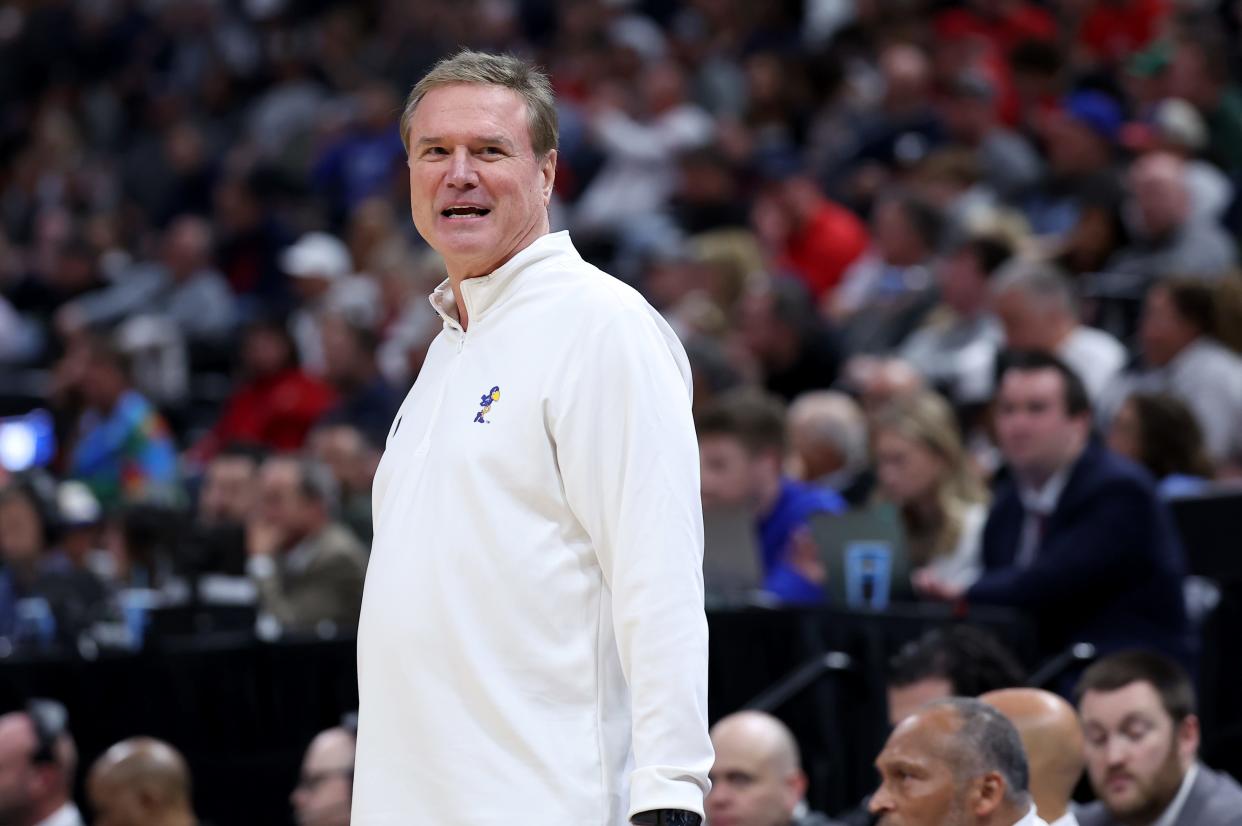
929	586
262	538
804	557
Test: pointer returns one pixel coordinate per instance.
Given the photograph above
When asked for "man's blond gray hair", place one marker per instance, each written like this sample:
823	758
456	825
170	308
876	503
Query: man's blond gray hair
506	71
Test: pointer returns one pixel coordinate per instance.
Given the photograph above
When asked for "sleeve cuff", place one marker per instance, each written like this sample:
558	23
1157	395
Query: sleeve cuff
665	787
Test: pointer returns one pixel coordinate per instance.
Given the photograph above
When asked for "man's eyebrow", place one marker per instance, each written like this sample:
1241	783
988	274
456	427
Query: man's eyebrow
489	140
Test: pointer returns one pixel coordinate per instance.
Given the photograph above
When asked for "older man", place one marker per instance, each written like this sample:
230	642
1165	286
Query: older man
957	762
141	782
38	760
1053	742
533	646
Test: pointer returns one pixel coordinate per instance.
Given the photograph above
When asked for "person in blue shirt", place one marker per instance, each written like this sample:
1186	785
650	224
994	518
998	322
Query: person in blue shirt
742	450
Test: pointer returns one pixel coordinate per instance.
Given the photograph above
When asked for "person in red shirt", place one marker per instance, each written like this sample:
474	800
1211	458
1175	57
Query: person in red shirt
276	403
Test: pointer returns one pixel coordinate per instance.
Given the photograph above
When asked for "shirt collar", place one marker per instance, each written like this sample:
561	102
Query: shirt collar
482	293
1044	500
1171	814
1031	818
67	815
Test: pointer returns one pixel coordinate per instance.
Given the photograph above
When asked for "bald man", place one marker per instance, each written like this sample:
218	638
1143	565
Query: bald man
141	782
955	762
1052	738
323	794
36	773
757	779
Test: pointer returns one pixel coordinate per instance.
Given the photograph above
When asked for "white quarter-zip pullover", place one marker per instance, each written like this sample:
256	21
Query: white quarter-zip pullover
533	647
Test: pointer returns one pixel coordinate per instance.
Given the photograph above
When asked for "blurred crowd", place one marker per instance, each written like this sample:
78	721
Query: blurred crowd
865	218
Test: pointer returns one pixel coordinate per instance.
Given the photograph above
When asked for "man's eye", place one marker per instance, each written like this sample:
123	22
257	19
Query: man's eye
435	150
492	150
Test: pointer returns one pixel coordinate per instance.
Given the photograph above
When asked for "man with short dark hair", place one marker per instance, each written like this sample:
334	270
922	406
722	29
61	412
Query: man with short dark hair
308	567
956	762
38	760
958	661
1076	535
742	451
1142	739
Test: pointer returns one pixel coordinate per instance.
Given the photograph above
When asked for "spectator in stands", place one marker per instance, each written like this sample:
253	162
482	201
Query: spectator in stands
955	349
33	569
956	661
368	158
1076	537
1009	164
324	792
742	447
793	347
923	470
957	761
828	444
1038	311
322	273
141	782
38	761
183	286
1053	741
251	239
122	449
276	402
1138	712
1199	72
1169	237
309	569
145	541
1175	127
886	294
880	381
1160	433
1190	335
366	400
757	779
353	460
226	502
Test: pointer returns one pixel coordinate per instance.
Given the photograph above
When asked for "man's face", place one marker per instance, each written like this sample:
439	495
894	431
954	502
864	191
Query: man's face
1162	332
17	774
918	786
1025	327
1036	434
962	282
1136	756
21	534
228	490
478	193
281	503
728	472
322	797
904	700
748	787
115	804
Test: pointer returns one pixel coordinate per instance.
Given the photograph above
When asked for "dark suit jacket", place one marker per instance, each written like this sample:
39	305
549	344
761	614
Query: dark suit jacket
1108	571
1215	800
326	585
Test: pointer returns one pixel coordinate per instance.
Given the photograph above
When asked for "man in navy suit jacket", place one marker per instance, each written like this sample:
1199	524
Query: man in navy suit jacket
1076	536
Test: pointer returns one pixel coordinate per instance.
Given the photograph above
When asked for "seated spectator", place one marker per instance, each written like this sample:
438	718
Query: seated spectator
321	269
955	350
1175	127
922	468
1138	712
144	541
885	294
957	761
1189	337
325	789
971	115
957	661
226	501
742	447
1169	236
309	569
353	461
1160	433
32	569
366	400
757	779
1200	73
182	286
828	444
276	402
793	347
1052	739
122	450
141	782
881	381
1076	537
1038	311
40	761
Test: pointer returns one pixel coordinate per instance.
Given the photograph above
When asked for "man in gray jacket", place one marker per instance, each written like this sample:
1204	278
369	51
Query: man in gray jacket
1138	712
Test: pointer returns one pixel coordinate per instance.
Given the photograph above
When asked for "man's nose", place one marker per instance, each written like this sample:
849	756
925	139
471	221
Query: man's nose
461	169
880	801
1117	752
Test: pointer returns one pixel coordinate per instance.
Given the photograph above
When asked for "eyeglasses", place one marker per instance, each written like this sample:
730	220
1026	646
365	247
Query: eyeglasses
310	782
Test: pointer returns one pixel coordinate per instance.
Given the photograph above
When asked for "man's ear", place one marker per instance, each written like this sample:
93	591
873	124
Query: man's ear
548	169
1187	735
988	794
795	788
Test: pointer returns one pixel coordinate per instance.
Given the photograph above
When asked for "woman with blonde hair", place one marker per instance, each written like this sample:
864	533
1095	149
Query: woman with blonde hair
922	468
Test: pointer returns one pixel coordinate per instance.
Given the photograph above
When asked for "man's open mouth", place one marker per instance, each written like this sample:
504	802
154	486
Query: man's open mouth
464	212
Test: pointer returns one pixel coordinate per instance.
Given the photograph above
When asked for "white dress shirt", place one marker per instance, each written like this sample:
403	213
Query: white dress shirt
67	815
1031	818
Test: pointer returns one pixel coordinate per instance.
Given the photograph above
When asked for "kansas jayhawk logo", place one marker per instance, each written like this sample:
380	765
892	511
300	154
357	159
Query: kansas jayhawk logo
485	404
